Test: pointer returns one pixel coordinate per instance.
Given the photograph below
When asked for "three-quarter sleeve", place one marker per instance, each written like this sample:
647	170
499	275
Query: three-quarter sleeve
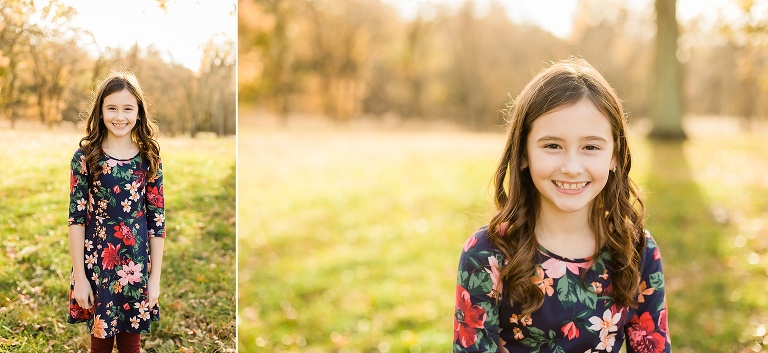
647	330
476	314
155	204
78	189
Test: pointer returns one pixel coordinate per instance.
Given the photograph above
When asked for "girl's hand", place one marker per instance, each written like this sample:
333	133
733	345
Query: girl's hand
83	293
153	292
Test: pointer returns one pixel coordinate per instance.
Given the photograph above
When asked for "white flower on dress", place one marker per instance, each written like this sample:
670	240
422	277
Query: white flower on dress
144	315
80	204
126	205
135	322
606	342
143	306
132	187
88	245
159	219
90	260
134	196
607	324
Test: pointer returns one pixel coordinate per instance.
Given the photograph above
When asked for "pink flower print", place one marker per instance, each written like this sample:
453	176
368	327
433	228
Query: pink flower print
116	189
495	277
130	273
556	268
470	243
656	254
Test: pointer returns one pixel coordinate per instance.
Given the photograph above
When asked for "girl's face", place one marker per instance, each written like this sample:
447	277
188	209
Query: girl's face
570	155
120	111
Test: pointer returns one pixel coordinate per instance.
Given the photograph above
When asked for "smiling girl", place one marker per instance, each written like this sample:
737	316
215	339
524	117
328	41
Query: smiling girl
116	219
565	265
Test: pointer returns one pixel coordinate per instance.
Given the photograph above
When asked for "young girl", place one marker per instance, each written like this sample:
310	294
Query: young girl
565	265
116	219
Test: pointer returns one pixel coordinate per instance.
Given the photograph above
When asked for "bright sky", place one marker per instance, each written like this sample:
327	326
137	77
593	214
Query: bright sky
178	32
556	16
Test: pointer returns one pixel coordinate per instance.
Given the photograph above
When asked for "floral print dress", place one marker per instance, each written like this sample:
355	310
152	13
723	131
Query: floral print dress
572	318
120	209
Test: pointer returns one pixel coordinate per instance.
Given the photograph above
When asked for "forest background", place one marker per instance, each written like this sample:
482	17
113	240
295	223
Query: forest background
47	69
369	130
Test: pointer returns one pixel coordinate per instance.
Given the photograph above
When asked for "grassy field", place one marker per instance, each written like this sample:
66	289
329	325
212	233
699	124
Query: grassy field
198	285
349	238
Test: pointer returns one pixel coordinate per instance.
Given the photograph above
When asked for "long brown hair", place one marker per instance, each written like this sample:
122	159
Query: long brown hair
617	213
143	134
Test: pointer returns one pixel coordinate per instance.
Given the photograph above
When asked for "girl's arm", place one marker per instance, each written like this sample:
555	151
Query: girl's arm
78	209
155	205
82	292
156	245
647	329
476	313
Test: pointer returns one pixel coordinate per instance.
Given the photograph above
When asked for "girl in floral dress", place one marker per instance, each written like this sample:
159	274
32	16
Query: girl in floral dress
116	219
565	265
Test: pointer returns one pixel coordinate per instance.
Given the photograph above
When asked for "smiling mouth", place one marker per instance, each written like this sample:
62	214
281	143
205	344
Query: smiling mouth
570	186
120	125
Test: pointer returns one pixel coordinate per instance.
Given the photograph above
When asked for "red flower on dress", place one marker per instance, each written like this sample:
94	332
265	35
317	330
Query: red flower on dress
72	181
467	318
154	196
123	232
570	330
110	257
116	189
77	312
642	335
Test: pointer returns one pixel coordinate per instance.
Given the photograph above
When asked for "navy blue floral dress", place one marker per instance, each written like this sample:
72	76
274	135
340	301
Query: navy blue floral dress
120	209
574	317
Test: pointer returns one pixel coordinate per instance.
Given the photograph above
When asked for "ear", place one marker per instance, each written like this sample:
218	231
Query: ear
523	164
613	165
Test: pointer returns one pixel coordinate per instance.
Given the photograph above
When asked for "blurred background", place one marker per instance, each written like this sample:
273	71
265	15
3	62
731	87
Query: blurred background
369	131
53	53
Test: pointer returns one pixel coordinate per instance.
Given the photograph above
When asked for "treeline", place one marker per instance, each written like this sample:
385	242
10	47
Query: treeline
48	75
347	59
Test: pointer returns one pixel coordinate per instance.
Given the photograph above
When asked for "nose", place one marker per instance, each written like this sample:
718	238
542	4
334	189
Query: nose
572	165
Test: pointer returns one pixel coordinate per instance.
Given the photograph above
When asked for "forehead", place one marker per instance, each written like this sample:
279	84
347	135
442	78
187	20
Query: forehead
122	97
578	121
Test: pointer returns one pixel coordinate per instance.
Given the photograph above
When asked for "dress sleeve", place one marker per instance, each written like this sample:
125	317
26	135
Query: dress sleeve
476	314
155	204
647	330
78	189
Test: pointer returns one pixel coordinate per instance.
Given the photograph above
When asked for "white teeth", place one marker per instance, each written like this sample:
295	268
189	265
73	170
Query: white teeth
569	186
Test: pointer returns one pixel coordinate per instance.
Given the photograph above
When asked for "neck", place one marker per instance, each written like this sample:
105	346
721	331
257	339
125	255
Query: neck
118	143
566	234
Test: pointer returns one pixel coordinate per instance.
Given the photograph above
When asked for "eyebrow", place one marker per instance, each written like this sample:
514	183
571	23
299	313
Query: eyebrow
587	138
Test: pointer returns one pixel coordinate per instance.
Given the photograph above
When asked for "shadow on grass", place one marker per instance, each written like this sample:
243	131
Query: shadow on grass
694	246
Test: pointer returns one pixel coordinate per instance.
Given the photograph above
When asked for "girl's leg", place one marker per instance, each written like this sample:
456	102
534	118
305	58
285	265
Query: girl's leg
128	342
102	345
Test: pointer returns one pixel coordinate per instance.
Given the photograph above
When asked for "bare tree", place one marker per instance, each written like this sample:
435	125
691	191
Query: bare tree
667	94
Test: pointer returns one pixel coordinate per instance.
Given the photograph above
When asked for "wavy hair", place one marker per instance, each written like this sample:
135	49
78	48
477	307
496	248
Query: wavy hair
144	133
617	213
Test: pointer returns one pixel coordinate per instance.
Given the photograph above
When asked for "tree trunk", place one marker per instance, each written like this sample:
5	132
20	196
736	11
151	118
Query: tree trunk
667	95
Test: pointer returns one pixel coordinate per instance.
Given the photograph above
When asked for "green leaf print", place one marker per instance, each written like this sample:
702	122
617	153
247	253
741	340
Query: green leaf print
657	280
586	297
565	292
478	279
529	342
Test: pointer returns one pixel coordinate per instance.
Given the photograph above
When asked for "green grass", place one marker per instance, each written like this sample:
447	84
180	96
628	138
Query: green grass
349	239
198	284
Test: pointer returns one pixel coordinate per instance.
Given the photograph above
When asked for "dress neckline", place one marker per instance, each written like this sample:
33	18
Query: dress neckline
120	159
550	254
